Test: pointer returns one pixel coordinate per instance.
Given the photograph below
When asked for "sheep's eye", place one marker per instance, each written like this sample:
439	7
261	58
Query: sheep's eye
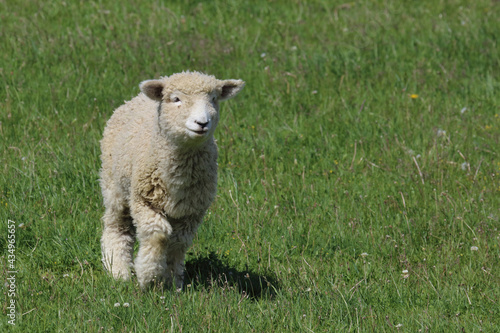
175	100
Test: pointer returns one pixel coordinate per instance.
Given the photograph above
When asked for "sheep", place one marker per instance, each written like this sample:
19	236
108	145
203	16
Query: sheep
159	174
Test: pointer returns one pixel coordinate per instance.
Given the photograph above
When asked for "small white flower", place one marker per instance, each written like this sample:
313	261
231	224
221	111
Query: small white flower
162	297
399	325
66	275
20	225
262	55
474	248
463	110
465	166
441	133
364	254
117	305
293	48
314	92
126	305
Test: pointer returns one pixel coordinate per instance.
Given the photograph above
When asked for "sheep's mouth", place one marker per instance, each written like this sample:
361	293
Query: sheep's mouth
200	132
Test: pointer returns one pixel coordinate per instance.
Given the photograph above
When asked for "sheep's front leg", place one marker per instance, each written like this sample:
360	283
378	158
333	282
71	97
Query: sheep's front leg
176	252
153	231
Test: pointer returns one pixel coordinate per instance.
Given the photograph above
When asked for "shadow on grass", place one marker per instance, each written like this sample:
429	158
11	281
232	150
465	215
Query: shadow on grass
210	272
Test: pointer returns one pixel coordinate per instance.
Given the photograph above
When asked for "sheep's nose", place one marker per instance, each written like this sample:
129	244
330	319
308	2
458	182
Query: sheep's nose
202	123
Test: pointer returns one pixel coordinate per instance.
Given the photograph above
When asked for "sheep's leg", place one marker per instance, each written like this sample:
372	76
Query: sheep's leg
150	263
117	242
153	231
176	253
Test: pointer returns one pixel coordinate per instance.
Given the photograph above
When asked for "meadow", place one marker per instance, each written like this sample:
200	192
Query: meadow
359	169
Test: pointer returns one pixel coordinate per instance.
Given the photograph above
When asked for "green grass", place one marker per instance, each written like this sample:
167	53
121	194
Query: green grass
334	179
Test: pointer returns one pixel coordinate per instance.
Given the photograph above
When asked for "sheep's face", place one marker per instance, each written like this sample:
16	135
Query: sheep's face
189	104
193	117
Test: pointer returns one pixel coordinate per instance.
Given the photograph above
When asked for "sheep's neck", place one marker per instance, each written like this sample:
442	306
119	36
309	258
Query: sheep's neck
181	148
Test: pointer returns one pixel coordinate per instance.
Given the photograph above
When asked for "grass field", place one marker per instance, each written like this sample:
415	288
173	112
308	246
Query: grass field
359	170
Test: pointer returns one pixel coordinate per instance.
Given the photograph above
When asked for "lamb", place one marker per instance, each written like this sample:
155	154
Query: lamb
159	174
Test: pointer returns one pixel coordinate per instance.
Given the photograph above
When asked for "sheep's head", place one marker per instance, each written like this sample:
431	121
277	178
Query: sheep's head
189	103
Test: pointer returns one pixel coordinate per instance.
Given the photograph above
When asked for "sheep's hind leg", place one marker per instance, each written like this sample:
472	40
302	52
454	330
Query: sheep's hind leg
117	242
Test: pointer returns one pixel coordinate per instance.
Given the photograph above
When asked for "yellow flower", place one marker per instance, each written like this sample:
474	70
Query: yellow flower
413	96
488	127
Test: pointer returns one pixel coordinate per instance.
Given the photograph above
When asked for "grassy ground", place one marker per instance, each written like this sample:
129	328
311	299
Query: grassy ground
359	169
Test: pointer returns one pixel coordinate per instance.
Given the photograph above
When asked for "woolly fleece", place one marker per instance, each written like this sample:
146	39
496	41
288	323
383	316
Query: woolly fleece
159	174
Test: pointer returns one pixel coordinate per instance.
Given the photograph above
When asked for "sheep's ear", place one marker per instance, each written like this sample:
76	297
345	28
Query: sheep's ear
152	89
230	88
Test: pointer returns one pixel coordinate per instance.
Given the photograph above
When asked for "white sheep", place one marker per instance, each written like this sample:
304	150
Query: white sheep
159	174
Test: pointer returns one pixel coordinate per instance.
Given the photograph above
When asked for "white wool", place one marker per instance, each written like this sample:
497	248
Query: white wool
159	174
